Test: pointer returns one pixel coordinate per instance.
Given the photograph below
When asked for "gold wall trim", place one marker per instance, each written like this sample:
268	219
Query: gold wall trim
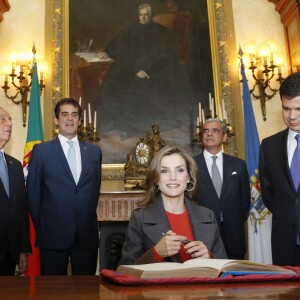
221	62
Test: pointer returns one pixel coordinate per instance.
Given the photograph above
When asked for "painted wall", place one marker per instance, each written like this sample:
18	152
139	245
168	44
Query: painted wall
25	23
259	21
22	24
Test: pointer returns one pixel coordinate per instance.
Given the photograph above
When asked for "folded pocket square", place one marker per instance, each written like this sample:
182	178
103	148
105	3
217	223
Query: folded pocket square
234	173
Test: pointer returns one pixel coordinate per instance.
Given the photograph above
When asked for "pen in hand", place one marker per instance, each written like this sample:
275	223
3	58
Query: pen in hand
185	241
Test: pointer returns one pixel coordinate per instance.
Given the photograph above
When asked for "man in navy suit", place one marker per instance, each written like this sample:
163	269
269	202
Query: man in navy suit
63	196
279	184
232	204
14	225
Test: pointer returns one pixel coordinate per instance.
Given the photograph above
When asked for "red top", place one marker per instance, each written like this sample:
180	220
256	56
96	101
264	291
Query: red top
181	225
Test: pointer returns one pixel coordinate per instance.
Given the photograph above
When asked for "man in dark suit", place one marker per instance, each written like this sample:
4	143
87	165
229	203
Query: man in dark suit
279	170
63	189
14	225
230	199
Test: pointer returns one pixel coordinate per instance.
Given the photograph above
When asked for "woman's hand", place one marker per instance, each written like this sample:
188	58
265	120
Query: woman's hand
198	249
169	244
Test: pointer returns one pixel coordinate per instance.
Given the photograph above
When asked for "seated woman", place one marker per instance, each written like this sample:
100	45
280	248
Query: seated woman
169	226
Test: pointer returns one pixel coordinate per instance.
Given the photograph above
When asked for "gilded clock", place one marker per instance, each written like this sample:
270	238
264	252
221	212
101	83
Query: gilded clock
142	153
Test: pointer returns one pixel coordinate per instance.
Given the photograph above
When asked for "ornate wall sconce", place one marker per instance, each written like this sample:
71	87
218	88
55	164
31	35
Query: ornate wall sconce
265	63
214	112
20	73
87	132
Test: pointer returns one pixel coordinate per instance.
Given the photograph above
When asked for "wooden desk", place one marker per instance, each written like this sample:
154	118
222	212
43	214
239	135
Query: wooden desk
93	288
86	80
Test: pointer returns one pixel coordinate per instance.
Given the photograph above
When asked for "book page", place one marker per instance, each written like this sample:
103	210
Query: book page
167	270
237	265
209	262
163	266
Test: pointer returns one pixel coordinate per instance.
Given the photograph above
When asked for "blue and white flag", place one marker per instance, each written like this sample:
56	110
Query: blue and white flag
260	218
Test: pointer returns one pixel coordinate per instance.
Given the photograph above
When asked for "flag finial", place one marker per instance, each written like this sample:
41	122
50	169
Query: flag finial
33	49
240	52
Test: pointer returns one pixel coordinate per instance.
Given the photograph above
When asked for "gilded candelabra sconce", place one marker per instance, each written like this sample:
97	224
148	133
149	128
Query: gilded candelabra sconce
87	132
20	72
214	112
263	62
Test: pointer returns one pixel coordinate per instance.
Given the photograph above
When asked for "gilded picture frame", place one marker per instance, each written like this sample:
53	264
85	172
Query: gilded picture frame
57	43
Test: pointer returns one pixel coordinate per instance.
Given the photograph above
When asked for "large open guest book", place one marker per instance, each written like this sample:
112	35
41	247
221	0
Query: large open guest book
212	268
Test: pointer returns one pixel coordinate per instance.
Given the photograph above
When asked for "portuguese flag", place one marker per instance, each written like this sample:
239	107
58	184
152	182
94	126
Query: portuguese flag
35	135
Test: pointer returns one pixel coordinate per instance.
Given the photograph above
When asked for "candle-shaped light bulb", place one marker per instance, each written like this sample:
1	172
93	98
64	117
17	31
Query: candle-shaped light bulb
279	69
200	112
84	118
90	114
203	116
197	125
212	107
80	100
95	120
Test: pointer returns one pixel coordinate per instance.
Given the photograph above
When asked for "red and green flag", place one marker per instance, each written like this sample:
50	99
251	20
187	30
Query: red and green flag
35	135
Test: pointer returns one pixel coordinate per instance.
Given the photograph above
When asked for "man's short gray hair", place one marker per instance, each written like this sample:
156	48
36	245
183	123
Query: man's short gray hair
224	128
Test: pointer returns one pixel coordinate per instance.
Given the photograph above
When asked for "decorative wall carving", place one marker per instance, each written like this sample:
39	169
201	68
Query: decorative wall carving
117	206
224	68
57	53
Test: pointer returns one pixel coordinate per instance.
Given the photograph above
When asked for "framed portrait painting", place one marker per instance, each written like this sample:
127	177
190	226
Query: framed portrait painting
136	76
137	73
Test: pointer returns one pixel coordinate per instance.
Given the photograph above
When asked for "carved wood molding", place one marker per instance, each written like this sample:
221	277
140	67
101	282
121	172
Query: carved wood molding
117	206
4	6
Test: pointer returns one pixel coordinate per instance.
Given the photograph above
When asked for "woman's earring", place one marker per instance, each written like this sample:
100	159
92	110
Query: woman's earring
193	186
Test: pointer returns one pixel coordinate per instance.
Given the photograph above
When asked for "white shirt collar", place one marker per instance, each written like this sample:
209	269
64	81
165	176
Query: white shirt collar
209	155
64	139
292	133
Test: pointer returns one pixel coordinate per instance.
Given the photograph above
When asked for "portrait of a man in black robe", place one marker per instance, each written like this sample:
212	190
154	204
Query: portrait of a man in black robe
151	79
